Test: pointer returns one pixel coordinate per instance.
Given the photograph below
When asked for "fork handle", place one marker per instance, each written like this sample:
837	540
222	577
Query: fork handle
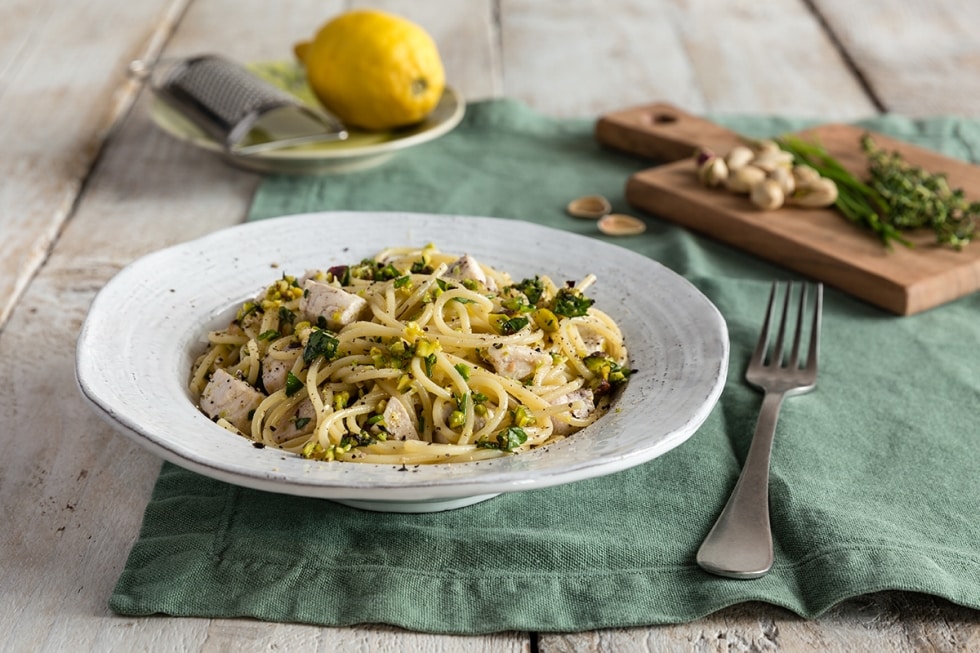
740	543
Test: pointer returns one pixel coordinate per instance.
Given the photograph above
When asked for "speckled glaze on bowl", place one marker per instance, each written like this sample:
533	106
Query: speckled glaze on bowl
134	371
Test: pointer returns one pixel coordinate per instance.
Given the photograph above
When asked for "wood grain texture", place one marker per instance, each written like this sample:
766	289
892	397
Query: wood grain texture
918	57
888	621
584	58
772	57
56	111
89	484
661	132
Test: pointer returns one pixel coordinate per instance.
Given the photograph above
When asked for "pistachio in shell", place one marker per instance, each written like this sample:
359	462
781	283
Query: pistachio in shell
590	207
620	224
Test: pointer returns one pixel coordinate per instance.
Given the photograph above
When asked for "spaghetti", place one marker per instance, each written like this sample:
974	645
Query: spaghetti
414	356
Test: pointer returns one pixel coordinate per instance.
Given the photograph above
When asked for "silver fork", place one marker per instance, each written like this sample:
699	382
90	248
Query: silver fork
740	543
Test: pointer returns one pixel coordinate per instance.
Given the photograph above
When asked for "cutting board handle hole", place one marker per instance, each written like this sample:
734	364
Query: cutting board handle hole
662	118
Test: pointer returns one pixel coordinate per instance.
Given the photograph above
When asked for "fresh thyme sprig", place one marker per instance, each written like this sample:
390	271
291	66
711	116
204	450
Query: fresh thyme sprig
917	198
898	196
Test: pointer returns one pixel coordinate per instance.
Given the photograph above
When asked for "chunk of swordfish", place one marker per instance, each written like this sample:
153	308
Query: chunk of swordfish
228	397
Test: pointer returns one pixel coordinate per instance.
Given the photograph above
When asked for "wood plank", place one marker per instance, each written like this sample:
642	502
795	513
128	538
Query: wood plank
89	485
56	111
586	58
919	57
888	621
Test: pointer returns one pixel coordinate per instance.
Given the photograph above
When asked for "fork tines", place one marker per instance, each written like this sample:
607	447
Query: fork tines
805	328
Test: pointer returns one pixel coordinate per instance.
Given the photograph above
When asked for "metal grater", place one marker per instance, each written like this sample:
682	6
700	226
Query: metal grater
240	111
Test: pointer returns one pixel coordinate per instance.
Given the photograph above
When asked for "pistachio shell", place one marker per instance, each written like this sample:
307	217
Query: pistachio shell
743	179
769	160
701	155
713	172
740	156
820	194
767	195
785	179
620	224
767	145
805	175
591	207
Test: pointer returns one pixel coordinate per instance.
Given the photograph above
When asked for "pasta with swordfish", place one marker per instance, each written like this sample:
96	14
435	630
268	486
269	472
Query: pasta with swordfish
414	356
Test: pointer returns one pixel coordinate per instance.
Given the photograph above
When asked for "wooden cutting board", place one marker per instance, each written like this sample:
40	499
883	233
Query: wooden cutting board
819	243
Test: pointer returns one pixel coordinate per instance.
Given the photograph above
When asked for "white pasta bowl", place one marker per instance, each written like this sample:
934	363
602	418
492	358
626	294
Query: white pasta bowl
135	371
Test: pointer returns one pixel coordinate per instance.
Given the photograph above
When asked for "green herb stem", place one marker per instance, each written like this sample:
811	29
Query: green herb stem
897	197
856	200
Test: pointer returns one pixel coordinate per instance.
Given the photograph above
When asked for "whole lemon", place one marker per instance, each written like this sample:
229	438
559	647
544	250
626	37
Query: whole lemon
374	70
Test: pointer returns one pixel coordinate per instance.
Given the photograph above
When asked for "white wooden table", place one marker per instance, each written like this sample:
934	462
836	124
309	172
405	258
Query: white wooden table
87	184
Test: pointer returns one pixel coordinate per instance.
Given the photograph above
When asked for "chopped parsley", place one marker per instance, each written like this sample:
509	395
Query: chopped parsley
507	440
386	273
321	343
533	289
361	439
516	305
444	285
293	384
571	303
368	269
512	325
403	281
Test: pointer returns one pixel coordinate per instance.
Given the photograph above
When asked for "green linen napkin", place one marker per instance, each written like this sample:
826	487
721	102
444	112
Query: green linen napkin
875	475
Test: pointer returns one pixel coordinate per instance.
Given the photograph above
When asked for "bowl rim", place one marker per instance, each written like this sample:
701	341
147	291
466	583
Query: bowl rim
98	388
